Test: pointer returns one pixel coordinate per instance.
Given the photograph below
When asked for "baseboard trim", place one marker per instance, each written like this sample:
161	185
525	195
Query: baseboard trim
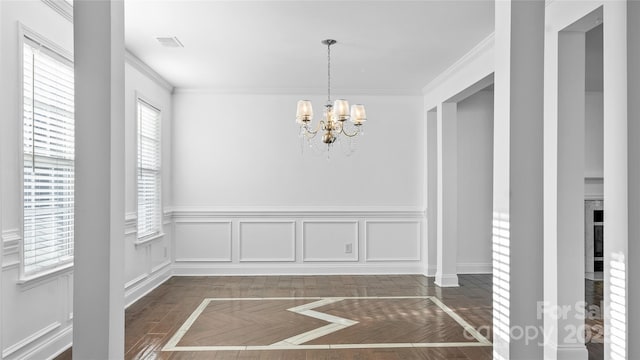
143	287
43	347
475	268
431	271
463	268
181	269
572	352
447	280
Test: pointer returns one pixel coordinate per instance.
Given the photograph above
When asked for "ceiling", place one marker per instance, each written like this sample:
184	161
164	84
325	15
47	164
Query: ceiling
383	46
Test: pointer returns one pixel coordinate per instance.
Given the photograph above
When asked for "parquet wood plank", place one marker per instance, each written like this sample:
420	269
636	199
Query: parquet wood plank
152	320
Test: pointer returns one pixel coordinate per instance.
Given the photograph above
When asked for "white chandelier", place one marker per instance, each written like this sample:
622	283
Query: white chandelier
334	117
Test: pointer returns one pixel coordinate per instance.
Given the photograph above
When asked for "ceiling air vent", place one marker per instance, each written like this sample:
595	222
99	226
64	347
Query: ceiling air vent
169	41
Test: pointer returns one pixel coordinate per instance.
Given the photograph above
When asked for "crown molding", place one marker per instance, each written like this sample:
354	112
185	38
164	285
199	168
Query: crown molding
480	49
134	61
296	91
61	7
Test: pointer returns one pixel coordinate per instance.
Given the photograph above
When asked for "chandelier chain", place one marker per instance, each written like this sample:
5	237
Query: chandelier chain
328	73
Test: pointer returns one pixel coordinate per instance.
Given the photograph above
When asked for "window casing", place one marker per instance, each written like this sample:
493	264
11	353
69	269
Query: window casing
48	158
149	171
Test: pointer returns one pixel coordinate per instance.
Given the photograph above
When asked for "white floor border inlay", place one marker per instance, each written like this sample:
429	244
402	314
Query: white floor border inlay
335	323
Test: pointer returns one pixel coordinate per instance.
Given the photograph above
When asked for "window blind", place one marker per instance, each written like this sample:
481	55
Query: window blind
149	166
48	149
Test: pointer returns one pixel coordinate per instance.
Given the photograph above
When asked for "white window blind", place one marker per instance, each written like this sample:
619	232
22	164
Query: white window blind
149	205
48	148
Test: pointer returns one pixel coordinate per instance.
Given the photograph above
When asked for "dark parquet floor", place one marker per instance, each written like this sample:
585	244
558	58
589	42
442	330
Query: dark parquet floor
594	334
155	318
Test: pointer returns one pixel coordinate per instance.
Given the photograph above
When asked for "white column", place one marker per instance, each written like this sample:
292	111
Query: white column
98	298
2	105
447	196
633	77
518	171
432	190
570	196
616	233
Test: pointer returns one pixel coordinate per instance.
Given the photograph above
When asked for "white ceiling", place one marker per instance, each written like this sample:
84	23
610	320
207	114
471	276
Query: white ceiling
383	46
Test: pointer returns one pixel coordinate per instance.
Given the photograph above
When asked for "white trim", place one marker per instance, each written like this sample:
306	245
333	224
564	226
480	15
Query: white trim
311	268
167	217
480	49
11	241
36	279
30	339
337	323
160	266
10	265
61	7
204	260
23	31
431	270
145	286
296	212
446	280
135	280
56	345
130	223
296	91
475	268
148	239
145	69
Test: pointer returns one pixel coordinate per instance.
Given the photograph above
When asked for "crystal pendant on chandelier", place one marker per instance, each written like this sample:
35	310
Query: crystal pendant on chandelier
334	124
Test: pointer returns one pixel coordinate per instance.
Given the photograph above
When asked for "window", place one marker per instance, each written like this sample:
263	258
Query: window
149	205
48	152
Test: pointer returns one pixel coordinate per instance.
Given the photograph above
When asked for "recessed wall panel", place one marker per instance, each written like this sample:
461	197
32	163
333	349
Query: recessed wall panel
392	240
330	240
203	241
267	241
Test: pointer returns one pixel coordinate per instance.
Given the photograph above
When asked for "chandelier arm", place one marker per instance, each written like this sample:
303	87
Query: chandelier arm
350	135
314	131
310	134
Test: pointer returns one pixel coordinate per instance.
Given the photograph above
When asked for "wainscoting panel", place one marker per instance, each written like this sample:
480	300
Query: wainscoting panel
278	241
330	240
28	322
203	240
267	240
393	240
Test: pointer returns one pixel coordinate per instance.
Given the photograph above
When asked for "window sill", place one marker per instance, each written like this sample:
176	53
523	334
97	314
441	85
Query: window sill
45	275
148	239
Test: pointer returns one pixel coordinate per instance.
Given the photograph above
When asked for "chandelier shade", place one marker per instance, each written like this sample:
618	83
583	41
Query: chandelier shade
334	116
305	111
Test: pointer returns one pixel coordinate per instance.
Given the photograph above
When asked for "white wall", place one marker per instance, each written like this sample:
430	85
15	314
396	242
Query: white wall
593	143
145	263
475	182
243	150
36	316
237	161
